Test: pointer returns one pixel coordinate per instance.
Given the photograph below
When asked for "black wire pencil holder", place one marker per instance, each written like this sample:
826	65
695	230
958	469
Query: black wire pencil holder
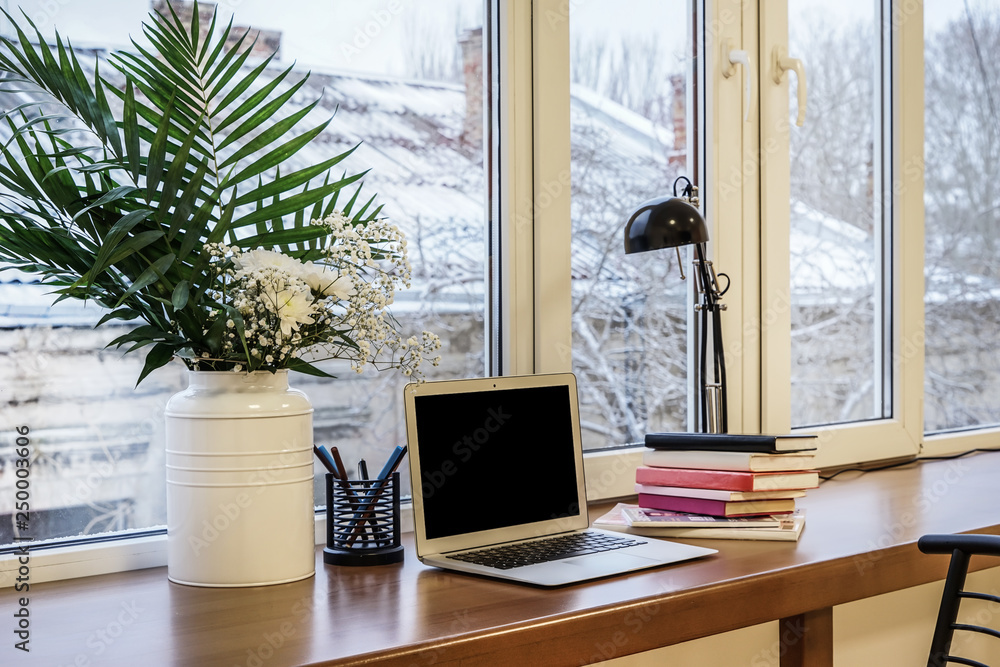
362	521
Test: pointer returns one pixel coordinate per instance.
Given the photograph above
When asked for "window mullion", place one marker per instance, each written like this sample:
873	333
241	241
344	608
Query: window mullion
774	318
551	185
512	206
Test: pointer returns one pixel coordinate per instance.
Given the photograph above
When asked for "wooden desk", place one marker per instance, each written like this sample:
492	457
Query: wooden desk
858	542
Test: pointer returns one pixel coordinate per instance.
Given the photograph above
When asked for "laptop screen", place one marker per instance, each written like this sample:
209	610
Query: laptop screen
495	459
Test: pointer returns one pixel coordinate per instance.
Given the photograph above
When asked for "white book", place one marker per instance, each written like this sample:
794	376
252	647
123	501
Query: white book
737	461
789	530
717	494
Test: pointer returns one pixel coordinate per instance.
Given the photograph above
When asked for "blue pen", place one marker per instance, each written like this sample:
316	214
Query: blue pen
393	462
327	460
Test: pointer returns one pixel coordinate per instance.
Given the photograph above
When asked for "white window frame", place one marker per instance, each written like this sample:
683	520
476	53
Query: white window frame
900	435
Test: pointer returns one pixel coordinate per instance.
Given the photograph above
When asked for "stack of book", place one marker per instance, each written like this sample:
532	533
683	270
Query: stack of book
727	476
637	520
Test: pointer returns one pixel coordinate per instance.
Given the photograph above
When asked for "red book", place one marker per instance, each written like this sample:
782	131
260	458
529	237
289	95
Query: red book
716	507
730	480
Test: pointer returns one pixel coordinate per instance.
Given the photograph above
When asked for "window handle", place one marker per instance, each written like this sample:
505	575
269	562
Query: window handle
732	57
781	63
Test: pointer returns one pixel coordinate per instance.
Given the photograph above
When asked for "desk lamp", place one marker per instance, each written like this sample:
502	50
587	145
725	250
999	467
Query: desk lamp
672	222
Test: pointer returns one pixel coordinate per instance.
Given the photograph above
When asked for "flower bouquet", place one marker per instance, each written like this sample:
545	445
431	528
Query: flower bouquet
167	185
272	306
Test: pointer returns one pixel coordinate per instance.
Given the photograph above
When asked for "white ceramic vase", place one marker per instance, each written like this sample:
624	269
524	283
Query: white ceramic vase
239	481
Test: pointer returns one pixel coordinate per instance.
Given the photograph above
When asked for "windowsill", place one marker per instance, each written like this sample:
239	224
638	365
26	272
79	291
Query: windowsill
610	474
56	563
859	541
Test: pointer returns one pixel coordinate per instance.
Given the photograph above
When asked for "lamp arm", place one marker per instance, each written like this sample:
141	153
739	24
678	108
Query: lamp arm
720	369
710	309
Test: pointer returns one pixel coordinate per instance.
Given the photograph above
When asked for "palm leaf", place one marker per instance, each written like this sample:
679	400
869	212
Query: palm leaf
197	154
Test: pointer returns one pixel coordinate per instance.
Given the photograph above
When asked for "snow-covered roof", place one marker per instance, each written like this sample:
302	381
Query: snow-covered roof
828	255
431	183
408	135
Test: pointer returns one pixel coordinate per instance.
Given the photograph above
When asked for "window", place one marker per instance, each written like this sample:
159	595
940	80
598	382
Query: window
962	282
817	226
839	217
840	224
629	122
407	85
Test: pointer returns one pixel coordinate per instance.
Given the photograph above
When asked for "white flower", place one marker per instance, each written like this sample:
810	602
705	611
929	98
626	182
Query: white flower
293	308
259	259
327	282
335	307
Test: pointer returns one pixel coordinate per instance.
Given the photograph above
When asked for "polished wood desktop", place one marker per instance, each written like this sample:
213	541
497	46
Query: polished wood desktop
859	541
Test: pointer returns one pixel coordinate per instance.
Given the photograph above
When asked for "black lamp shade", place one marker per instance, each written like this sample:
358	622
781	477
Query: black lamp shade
665	222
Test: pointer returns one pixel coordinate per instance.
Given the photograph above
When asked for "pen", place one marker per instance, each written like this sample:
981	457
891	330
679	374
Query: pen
339	462
340	472
325	458
362	469
373	495
393	462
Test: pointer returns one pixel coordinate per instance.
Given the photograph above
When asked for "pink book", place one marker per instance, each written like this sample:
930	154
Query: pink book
716	507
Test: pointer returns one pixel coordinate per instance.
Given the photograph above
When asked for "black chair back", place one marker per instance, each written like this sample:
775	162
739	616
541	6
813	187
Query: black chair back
961	548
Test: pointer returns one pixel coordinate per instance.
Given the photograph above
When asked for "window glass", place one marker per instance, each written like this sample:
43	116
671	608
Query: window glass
838	216
406	84
631	70
962	219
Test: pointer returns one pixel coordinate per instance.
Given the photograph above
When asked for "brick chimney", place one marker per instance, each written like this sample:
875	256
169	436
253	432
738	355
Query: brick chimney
678	118
265	42
472	74
185	11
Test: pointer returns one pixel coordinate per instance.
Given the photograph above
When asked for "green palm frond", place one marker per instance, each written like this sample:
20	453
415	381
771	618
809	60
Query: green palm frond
110	186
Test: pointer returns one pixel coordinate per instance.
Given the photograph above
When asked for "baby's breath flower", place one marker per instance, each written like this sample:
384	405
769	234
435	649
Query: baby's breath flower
334	306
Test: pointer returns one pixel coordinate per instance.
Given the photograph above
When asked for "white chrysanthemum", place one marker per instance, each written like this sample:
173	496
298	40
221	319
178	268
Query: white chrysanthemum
260	259
328	282
337	308
293	308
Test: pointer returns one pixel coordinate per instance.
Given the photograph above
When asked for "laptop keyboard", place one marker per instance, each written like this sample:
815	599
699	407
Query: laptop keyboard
542	551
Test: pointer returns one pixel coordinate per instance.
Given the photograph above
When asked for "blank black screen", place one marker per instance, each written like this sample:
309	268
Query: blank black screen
494	459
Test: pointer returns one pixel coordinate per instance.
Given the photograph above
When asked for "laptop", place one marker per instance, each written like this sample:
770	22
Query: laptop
496	465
